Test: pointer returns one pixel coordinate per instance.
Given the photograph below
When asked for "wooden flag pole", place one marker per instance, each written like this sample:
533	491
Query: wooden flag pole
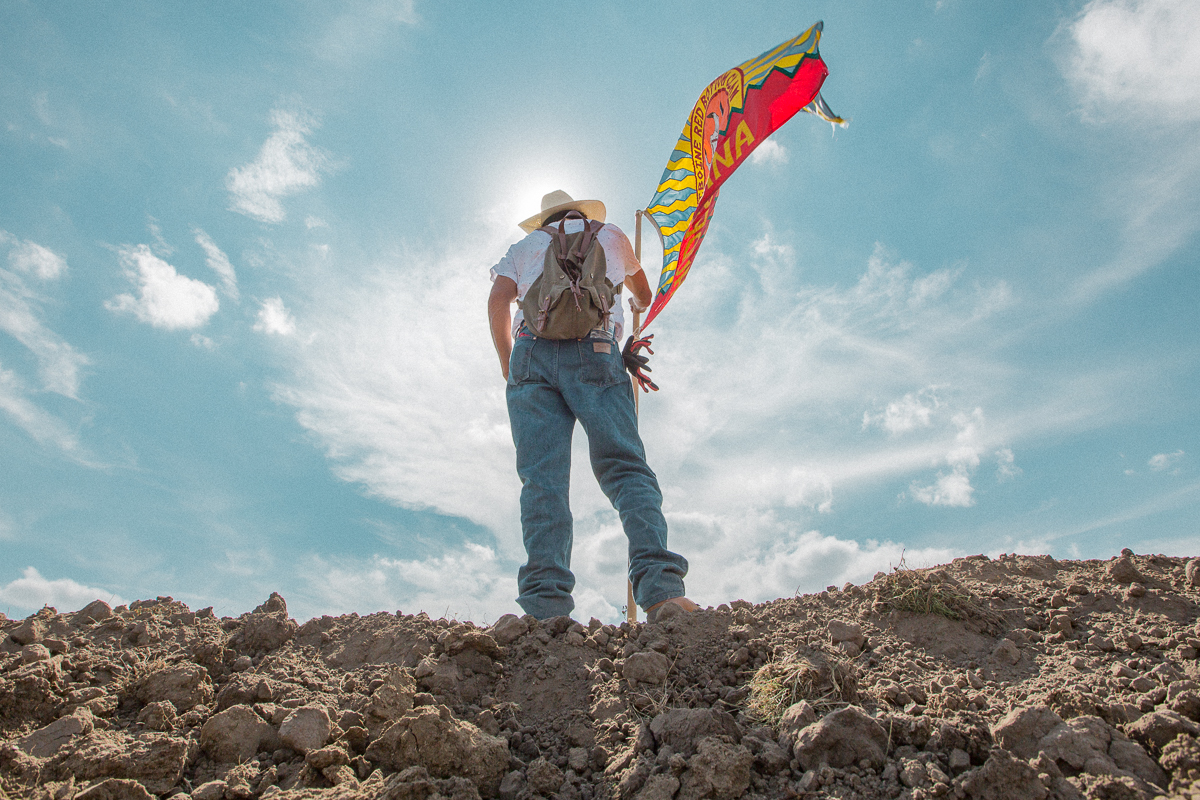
630	605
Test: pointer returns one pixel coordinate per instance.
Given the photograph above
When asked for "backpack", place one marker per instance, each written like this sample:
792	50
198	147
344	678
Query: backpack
573	296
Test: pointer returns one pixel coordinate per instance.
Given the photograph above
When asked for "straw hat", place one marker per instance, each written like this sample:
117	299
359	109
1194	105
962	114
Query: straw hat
558	200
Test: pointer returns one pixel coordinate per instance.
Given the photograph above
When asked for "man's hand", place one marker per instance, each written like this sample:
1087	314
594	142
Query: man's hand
636	364
504	292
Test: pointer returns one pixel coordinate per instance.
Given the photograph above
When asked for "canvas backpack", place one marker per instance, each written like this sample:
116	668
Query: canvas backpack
573	296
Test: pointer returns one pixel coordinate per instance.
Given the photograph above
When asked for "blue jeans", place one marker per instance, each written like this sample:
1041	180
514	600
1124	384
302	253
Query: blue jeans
551	384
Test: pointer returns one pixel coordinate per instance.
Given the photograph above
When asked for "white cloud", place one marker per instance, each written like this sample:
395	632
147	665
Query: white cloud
165	298
218	262
1138	56
466	584
910	412
30	258
286	164
769	153
1163	461
203	342
16	402
274	318
31	592
311	222
951	489
1006	467
21	315
757	430
363	26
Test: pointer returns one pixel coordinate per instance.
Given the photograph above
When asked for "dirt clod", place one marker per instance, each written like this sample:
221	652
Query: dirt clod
1015	677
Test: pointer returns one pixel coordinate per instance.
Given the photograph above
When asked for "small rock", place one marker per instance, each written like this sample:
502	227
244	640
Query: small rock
34	652
305	728
1021	729
797	717
682	728
1123	571
649	667
1003	777
445	746
395	697
326	757
543	777
1007	652
159	716
95	611
511	786
1192	572
235	735
843	738
183	685
47	741
577	759
212	790
1135	591
719	770
508	629
28	632
846	632
1154	730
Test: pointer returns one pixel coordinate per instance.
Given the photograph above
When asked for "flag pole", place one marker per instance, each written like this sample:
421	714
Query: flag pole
630	605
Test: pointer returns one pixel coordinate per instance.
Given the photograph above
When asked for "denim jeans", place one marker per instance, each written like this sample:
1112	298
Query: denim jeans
551	384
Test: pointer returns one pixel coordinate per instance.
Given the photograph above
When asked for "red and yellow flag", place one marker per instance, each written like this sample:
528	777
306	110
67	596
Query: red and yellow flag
734	115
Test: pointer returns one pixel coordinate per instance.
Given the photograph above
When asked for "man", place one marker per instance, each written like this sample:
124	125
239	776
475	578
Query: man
551	384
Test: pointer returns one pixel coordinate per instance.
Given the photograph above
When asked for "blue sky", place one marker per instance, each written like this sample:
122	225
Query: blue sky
243	267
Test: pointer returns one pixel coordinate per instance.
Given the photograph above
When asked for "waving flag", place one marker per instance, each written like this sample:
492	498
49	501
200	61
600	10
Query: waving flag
734	115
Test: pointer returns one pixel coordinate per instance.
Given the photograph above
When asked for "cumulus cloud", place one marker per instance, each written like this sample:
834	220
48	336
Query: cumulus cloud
286	164
1165	461
953	489
769	153
1138	56
165	299
274	318
466	584
32	591
399	385
910	412
218	262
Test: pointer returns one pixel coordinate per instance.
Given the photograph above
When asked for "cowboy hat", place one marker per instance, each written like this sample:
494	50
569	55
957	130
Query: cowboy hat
558	200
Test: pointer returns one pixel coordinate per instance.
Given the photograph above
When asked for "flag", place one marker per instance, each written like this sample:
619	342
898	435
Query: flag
734	115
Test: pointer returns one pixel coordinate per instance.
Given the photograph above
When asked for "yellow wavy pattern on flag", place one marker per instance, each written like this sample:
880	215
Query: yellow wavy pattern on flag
681	187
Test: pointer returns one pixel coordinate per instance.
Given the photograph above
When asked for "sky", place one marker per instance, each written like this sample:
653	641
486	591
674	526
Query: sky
244	254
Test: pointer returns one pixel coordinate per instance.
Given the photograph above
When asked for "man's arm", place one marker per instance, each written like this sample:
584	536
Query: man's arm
504	292
639	287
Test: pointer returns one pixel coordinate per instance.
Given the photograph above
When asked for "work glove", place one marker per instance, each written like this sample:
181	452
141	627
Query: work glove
636	364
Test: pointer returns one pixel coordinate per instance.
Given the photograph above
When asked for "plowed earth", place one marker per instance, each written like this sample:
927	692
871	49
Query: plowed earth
1017	677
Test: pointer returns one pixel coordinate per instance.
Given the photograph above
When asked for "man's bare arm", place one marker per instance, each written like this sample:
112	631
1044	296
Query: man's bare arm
504	292
639	287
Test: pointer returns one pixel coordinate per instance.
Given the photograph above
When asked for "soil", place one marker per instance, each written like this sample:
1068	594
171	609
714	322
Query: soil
1016	677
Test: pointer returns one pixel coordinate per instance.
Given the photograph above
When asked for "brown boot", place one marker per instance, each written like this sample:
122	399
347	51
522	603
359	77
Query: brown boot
671	607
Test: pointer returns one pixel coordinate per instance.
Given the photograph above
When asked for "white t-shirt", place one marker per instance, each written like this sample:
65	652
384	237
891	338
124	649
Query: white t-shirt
524	261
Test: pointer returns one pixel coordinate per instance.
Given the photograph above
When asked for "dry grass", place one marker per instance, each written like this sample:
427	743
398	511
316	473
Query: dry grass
826	683
929	592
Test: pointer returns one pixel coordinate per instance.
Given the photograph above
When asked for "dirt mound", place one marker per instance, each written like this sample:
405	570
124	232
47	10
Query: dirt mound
1019	677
